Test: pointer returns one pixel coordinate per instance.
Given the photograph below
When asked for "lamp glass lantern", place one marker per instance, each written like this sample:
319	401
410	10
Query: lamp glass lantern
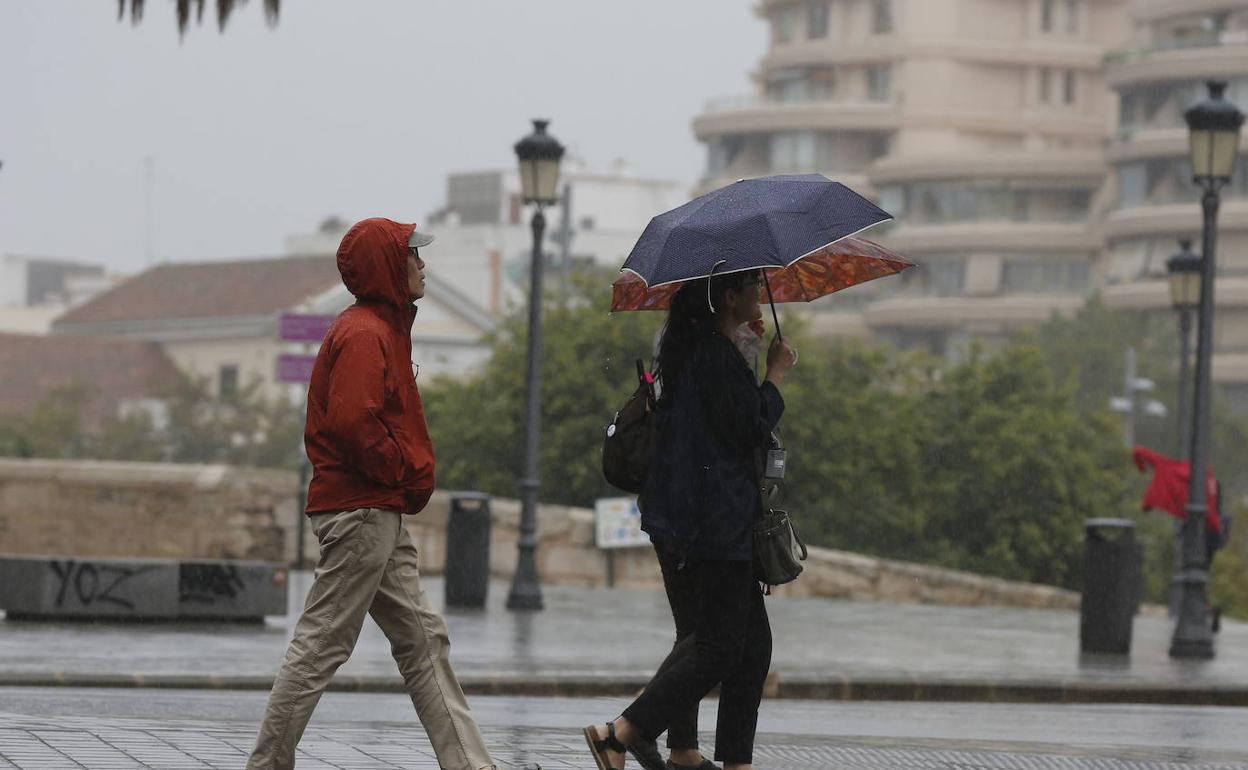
1185	276
539	155
1213	130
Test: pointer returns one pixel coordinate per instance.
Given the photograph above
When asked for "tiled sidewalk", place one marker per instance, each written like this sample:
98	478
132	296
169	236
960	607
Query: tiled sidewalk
116	744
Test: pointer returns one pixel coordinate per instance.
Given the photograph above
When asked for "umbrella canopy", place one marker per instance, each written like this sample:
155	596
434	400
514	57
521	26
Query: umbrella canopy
768	222
846	263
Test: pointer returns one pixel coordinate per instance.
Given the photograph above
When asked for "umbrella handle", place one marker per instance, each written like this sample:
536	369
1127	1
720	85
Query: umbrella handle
772	302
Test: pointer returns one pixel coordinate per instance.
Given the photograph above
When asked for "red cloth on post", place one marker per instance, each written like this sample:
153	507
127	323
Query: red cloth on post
1168	489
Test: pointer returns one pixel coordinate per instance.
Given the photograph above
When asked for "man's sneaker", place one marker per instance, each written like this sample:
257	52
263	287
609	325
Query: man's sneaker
647	754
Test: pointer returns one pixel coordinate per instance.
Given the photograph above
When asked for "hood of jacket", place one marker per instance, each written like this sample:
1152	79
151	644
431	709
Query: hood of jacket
372	260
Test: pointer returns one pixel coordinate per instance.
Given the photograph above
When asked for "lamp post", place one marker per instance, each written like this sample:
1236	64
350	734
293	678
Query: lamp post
1184	268
539	154
1213	129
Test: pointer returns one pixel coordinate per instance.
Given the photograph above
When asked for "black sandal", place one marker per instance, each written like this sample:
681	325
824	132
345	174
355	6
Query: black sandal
599	746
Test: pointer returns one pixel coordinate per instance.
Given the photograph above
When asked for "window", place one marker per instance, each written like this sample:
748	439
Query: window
802	84
227	381
877	147
938	276
782	24
893	199
1046	85
1068	87
879	83
966	201
1072	16
1046	15
1044	277
793	151
881	16
816	19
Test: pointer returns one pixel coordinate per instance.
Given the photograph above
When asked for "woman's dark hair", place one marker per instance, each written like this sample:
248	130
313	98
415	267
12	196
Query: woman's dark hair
690	318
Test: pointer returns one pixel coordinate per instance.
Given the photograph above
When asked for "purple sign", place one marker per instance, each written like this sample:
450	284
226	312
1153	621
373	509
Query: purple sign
295	368
304	328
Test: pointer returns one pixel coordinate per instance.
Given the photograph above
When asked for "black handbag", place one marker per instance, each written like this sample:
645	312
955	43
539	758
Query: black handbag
778	551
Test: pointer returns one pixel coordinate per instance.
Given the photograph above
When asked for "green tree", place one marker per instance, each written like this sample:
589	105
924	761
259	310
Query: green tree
246	430
1013	470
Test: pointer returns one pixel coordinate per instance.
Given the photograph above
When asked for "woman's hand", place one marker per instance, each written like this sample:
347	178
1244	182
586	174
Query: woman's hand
780	358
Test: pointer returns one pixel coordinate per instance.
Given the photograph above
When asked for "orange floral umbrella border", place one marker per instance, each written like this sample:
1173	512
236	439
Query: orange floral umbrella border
848	262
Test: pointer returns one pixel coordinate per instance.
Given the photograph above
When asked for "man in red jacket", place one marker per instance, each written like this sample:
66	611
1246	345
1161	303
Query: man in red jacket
372	462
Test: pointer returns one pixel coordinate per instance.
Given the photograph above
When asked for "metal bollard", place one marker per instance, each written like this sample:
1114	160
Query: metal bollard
467	570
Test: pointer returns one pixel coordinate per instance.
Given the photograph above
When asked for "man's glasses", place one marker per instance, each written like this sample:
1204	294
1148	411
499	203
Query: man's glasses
413	251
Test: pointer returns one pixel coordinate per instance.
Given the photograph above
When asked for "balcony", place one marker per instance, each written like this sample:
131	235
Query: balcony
1170	62
916	240
1167	219
1004	312
757	114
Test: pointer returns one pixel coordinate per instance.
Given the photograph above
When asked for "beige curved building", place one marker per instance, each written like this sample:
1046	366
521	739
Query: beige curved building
980	124
1176	46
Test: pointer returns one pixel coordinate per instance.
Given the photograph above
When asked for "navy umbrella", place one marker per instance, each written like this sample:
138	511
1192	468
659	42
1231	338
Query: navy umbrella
769	222
754	223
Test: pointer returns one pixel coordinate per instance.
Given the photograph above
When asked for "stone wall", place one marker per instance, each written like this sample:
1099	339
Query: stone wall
157	510
200	511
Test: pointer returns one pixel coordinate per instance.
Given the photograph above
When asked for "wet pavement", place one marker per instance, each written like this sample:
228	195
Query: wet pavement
600	641
104	729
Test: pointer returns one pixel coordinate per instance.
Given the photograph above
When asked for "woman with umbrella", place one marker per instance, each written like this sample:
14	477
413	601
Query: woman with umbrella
700	503
702	495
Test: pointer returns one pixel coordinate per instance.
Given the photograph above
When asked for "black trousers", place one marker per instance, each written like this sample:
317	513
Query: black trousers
730	647
682	596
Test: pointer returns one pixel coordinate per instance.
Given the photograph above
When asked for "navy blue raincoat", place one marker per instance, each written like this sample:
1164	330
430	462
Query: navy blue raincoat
702	496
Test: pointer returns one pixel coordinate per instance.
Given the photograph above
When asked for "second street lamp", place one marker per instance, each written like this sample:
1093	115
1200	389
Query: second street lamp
1213	127
539	154
1185	273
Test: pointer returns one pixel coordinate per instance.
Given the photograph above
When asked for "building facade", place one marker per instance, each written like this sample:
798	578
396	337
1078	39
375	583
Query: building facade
1176	45
1033	151
979	124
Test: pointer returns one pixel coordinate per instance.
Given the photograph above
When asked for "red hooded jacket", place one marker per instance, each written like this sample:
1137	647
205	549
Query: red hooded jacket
366	435
1168	489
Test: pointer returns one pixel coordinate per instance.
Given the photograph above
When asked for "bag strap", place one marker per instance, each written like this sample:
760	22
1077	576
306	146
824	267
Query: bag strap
647	379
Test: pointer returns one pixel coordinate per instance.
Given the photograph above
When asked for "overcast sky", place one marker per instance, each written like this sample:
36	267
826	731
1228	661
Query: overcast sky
348	107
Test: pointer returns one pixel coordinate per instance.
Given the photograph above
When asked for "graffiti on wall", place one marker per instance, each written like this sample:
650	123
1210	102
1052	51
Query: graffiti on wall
94	583
209	583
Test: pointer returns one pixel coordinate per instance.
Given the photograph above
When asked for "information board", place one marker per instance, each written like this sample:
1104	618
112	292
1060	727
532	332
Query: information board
617	523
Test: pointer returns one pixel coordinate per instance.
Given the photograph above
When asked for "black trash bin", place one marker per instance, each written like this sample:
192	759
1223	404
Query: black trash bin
1111	586
468	550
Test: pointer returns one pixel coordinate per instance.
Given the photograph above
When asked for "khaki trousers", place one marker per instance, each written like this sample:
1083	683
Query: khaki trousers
368	565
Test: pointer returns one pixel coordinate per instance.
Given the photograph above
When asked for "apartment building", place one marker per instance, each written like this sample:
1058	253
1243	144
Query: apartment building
1176	45
980	124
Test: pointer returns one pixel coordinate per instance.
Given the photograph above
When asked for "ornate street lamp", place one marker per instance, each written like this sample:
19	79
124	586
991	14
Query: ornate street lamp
539	154
1213	126
1185	273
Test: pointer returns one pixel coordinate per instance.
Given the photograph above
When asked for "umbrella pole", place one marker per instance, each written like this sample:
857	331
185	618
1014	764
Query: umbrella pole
772	302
